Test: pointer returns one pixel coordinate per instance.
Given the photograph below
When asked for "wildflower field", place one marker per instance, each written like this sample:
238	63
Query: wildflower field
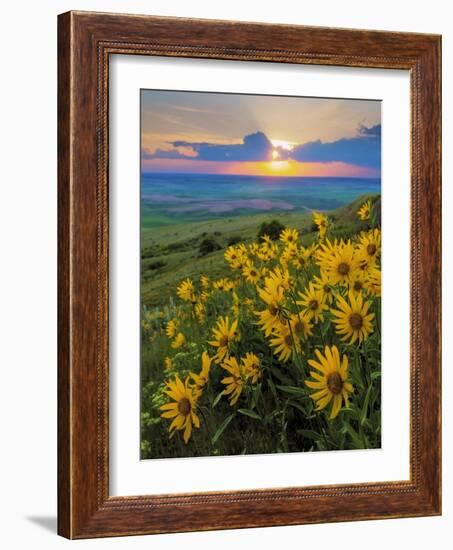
270	344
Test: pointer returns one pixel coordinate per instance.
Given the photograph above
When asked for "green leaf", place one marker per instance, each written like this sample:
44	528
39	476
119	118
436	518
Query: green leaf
248	412
222	428
297	406
375	374
365	406
309	434
350	411
354	436
273	414
217	399
293	390
280	375
272	388
256	393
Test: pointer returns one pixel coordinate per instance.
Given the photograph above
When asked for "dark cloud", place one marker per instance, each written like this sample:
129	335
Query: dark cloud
362	150
373	131
255	147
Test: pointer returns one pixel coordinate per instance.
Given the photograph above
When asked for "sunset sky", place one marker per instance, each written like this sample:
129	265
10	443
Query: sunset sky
211	133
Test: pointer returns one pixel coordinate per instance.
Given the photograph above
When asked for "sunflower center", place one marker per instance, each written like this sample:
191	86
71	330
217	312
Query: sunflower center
327	288
356	321
298	327
335	383
313	304
343	268
273	310
184	406
253	273
288	340
223	341
237	380
371	249
358	285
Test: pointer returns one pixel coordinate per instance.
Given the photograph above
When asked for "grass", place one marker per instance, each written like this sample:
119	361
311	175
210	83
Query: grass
276	413
177	246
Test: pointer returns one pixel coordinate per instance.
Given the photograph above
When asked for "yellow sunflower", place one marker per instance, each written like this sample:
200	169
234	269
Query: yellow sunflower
205	282
201	379
251	366
182	409
322	283
301	258
273	295
322	222
369	248
358	281
171	328
352	319
200	312
319	219
365	265
301	324
373	282
251	273
254	248
324	252
267	249
289	236
179	341
279	278
364	211
225	335
330	380
285	342
186	291
235	257
313	302
235	382
289	254
341	264
224	284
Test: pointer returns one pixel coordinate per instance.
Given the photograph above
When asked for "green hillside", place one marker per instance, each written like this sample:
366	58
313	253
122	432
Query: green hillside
172	253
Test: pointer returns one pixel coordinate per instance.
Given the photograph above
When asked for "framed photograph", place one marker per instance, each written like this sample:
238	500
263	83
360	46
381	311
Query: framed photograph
249	275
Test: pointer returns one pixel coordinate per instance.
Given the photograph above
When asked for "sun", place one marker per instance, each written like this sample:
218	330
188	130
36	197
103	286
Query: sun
286	145
279	166
275	154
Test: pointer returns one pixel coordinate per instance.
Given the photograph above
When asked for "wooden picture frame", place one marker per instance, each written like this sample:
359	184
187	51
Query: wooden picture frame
85	42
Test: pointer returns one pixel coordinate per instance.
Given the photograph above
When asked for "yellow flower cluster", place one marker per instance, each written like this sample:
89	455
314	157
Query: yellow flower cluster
285	304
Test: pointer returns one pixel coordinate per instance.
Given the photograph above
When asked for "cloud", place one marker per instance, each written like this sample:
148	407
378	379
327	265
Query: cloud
162	154
373	131
364	149
361	150
254	147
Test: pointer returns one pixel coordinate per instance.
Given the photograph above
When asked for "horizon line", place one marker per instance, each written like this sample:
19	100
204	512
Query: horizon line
142	173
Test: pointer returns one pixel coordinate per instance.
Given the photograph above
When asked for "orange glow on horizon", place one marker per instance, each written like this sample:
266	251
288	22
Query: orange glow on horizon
287	168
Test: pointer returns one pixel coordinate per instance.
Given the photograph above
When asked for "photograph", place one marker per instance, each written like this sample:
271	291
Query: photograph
260	274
